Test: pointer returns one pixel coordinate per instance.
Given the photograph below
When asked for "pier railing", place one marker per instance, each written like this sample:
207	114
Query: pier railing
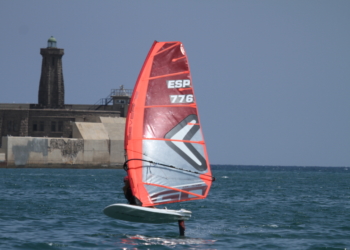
109	99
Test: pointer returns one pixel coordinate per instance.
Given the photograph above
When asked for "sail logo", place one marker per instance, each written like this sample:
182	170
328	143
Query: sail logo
185	131
176	84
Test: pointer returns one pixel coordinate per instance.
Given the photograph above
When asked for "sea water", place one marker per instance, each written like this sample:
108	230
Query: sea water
249	207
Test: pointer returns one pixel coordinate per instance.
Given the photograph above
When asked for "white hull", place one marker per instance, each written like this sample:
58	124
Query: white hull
145	214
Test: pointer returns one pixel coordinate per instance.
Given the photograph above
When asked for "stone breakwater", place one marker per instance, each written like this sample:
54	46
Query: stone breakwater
60	152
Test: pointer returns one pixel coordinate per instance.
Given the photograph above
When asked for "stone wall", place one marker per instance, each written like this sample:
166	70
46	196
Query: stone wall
46	122
23	129
57	152
0	128
14	122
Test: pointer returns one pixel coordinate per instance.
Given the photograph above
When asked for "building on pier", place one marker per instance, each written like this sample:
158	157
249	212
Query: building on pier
51	118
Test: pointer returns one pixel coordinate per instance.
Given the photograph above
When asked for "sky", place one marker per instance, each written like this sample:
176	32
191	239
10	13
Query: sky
271	78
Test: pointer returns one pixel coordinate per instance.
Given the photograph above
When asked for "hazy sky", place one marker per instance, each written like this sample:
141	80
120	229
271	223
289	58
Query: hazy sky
271	78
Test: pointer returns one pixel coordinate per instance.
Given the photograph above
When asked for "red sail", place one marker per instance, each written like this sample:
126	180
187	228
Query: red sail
167	156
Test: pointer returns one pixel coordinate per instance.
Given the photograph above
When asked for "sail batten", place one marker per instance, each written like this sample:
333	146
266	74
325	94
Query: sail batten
167	75
168	47
181	105
163	126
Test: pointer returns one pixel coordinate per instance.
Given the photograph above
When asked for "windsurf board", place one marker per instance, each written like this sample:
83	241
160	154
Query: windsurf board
135	213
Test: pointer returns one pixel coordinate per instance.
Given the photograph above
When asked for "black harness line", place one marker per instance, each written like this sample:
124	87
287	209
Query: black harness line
125	166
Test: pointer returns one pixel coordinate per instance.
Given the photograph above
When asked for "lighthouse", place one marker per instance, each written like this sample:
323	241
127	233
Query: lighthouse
51	87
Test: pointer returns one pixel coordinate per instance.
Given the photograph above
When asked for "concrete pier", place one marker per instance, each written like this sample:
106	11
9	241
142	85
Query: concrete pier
94	145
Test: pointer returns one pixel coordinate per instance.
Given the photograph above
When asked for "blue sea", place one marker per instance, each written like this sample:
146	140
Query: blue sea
249	207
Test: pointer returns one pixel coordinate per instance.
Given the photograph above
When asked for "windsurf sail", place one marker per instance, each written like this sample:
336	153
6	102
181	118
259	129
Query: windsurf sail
167	159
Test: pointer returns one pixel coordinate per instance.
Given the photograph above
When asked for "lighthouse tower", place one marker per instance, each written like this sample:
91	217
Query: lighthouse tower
51	88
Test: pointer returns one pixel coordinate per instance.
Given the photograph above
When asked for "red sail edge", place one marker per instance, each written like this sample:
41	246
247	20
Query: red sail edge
163	126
